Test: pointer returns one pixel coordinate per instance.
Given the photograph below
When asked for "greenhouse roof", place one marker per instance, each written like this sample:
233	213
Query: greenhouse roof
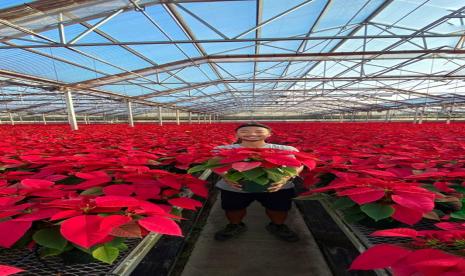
226	57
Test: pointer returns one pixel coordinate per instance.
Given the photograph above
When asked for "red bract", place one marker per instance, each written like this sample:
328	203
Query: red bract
6	270
379	256
186	203
409	262
248	158
36	183
88	230
116	201
160	225
12	231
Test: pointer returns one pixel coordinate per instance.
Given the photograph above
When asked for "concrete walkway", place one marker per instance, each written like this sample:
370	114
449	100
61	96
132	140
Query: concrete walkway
256	252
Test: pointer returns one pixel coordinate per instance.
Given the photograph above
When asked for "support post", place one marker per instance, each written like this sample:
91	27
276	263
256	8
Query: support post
177	117
130	118
190	117
341	117
160	116
416	115
209	118
205	118
388	115
43	119
12	121
198	118
368	114
61	29
70	109
449	114
420	119
86	119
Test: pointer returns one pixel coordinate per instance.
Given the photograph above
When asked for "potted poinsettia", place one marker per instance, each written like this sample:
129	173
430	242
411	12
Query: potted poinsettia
382	201
256	168
424	252
95	214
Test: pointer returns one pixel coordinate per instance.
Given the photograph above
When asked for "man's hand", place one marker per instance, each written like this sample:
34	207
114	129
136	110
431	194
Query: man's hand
235	185
274	187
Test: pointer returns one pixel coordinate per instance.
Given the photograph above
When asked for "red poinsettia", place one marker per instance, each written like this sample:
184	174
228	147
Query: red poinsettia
404	261
262	166
382	198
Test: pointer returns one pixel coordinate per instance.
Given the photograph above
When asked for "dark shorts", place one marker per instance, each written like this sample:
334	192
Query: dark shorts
276	201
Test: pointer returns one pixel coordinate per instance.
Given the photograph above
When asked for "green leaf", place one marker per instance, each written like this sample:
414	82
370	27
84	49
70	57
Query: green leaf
213	162
274	174
197	168
118	242
262	180
351	218
234	177
458	215
106	253
343	203
47	252
88	251
253	173
93	191
352	210
51	238
430	187
176	212
377	211
291	171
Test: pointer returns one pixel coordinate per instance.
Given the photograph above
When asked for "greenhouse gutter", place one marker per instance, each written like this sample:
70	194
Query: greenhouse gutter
127	266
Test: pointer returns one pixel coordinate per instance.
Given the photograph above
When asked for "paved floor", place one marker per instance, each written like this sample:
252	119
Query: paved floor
256	252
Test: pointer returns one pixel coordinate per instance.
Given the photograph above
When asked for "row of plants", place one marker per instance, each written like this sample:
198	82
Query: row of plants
390	177
79	193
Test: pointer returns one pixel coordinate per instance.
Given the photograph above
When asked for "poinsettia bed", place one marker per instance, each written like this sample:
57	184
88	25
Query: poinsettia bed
94	188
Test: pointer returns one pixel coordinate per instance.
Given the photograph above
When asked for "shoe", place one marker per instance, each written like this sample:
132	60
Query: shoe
230	231
282	232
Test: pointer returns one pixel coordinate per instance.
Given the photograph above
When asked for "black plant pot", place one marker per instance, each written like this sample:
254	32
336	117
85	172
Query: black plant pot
381	224
76	256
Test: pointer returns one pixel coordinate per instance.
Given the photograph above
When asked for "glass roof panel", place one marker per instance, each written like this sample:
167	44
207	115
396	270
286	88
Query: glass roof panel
124	54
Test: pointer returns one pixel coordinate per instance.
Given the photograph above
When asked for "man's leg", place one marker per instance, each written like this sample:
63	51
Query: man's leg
235	216
277	205
235	206
277	217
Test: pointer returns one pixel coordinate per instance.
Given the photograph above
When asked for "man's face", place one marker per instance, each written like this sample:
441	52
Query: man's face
252	133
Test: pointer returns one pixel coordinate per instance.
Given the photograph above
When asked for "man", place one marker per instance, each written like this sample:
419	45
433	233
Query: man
277	201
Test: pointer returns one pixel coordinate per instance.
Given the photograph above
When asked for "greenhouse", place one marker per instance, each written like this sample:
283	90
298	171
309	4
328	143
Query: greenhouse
233	137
